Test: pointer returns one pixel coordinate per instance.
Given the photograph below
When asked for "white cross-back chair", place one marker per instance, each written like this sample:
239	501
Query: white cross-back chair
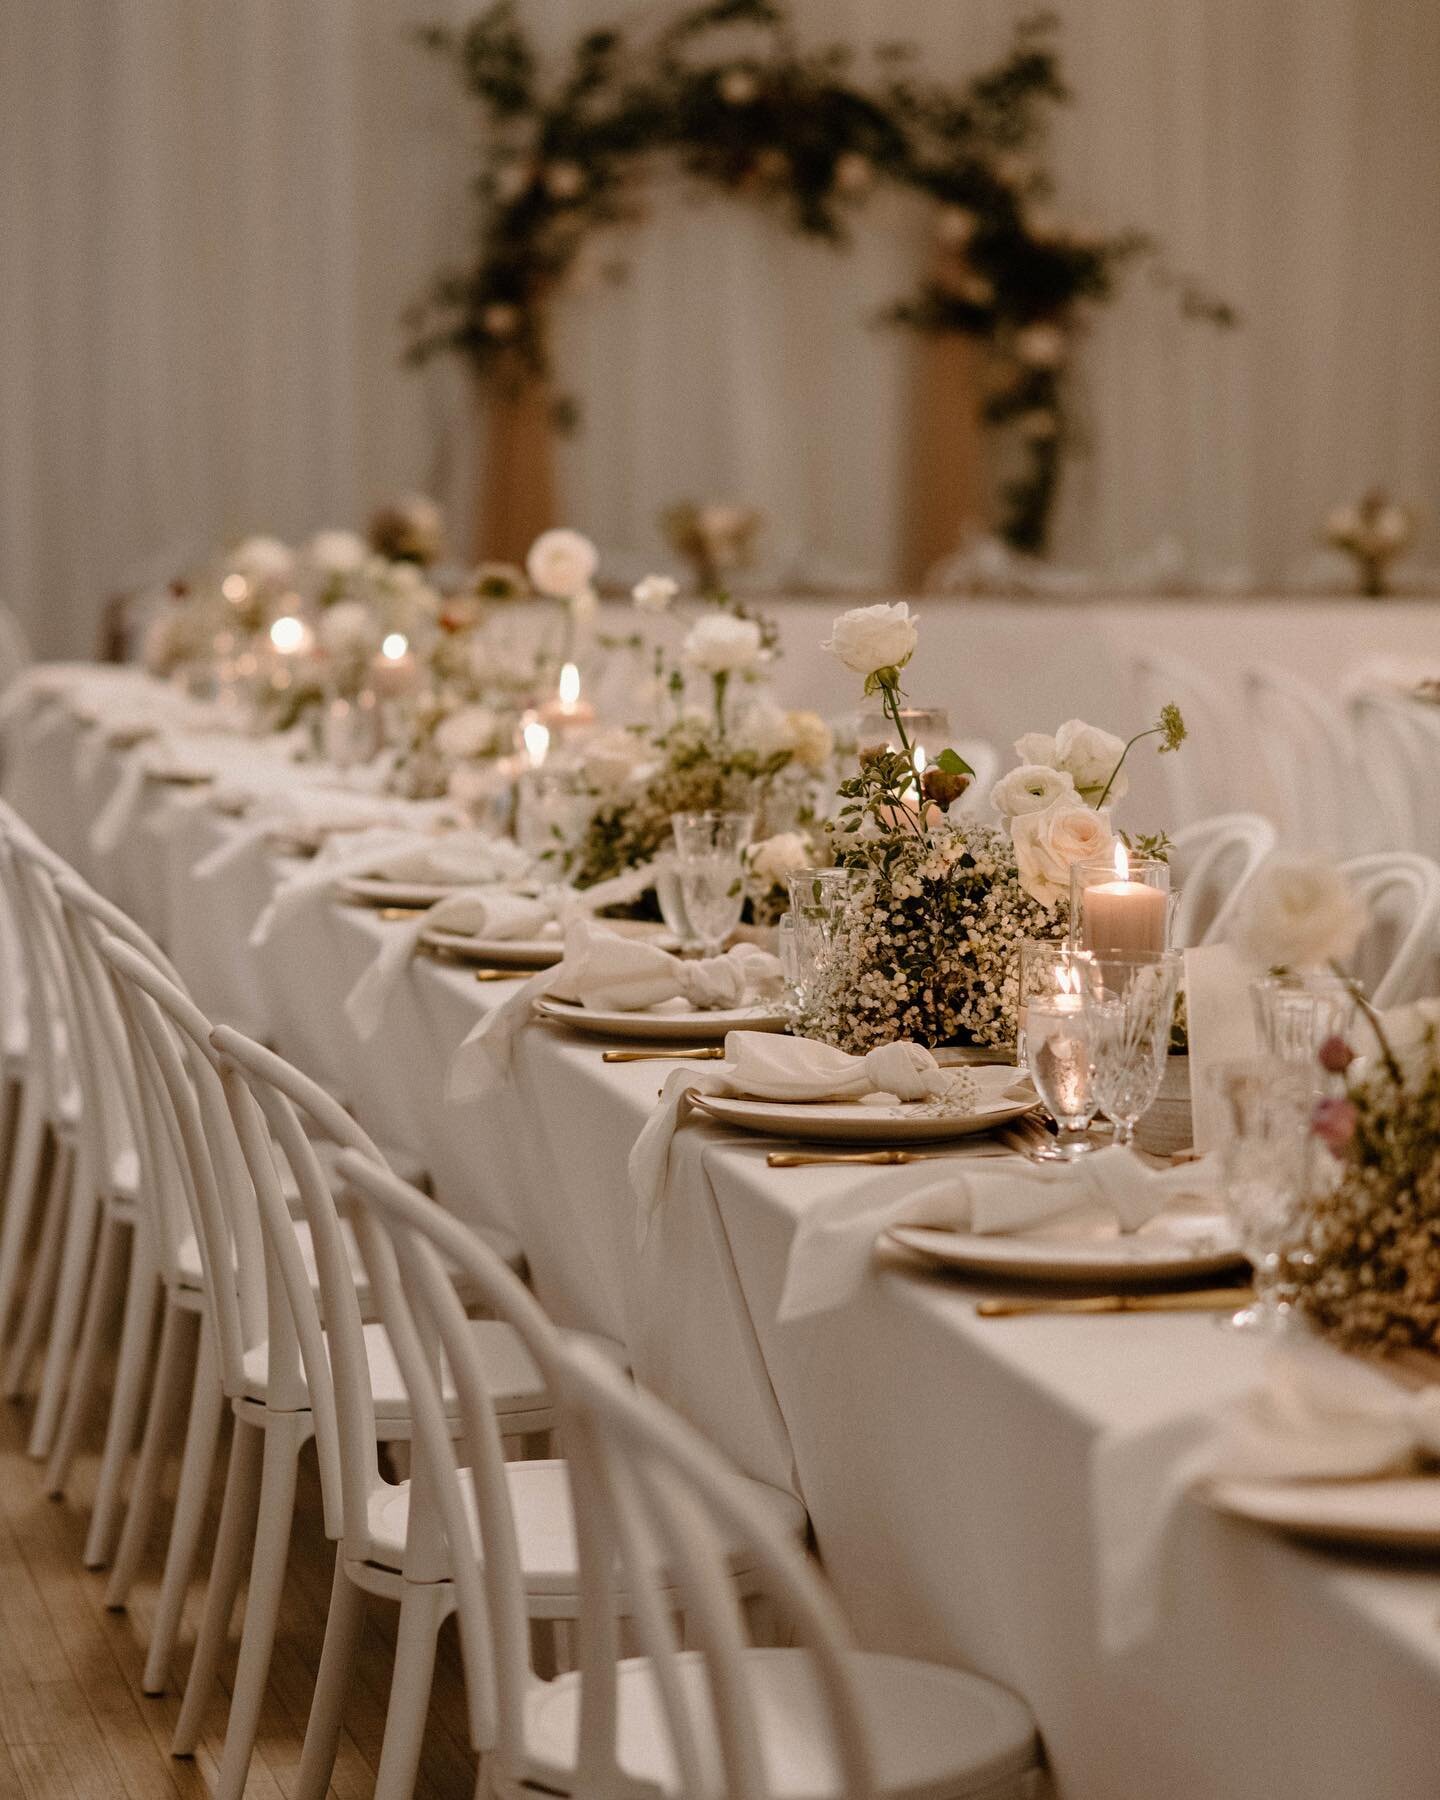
1399	956
1308	752
1205	778
1212	863
1398	740
658	1514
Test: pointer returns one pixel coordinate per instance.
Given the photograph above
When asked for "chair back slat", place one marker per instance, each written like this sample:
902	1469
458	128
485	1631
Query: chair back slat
1399	956
1214	861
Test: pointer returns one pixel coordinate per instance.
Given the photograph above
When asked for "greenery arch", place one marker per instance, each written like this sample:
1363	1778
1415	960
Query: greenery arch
723	89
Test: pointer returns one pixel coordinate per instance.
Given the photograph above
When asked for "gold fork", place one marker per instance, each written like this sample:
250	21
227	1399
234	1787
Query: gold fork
707	1053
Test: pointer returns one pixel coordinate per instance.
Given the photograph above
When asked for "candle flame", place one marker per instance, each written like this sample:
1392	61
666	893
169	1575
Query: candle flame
288	634
1067	979
569	685
395	645
536	738
1122	861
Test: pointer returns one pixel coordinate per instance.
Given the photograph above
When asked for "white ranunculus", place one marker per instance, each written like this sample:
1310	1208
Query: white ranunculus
1036	747
349	628
1299	912
868	638
654	593
1048	843
811	739
562	563
262	559
721	644
1090	755
467	734
1033	787
764	728
773	858
611	759
337	552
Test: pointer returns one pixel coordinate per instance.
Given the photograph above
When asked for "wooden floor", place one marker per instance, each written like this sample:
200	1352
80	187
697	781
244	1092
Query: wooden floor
74	1724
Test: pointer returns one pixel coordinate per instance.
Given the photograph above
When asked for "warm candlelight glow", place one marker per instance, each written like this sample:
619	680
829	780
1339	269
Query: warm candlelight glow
569	689
235	588
395	645
289	635
536	738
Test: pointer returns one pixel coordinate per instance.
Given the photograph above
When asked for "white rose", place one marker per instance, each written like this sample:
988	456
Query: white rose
612	758
1299	912
562	563
811	739
349	628
466	734
1032	788
263	559
1090	755
1036	747
773	858
764	729
721	644
868	638
1047	843
337	552
654	593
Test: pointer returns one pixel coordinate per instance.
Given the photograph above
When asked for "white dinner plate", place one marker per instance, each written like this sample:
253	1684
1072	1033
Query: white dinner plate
865	1122
1398	1513
1165	1250
379	890
517	953
672	1022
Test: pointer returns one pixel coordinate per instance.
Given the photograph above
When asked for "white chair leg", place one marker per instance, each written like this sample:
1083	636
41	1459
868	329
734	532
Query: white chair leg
332	1682
235	1536
77	1258
42	1277
202	1436
422	1611
262	1603
22	1186
142	1298
100	1306
167	1400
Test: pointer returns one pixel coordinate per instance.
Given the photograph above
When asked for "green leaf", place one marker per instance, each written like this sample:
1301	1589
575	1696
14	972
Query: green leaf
952	763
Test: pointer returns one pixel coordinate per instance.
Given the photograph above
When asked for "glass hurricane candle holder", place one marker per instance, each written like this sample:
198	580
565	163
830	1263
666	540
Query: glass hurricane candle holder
1047	967
1120	906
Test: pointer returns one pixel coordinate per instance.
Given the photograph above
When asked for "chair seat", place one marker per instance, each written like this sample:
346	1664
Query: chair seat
513	1382
935	1733
544	1525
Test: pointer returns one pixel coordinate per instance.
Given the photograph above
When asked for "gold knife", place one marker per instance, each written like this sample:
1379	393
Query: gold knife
502	974
391	913
709	1053
1190	1300
882	1159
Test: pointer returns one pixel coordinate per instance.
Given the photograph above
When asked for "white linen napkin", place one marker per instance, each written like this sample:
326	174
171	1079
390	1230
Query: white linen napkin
1221	1026
505	914
602	969
1317	1414
1108	1190
308	813
762	1065
396	854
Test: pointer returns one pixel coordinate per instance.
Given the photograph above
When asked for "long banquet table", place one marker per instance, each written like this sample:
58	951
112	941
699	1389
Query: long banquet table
945	1460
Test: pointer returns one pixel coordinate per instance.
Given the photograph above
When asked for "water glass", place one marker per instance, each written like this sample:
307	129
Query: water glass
1295	1014
787	948
552	805
1047	967
672	900
1059	1033
709	851
1130	1001
1266	1163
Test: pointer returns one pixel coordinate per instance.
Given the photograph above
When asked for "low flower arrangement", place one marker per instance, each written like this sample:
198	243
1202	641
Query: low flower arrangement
934	953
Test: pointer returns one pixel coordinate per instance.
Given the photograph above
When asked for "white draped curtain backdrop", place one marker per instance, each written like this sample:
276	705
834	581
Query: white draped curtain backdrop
212	216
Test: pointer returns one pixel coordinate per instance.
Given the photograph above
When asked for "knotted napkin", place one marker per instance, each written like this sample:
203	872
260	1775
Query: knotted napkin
602	969
761	1065
1103	1192
1318	1414
464	858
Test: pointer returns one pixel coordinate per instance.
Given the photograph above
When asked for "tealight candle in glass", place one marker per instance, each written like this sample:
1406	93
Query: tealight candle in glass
1120	906
1048	966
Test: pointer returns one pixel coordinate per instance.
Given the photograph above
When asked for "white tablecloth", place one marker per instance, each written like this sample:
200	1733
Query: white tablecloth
944	1459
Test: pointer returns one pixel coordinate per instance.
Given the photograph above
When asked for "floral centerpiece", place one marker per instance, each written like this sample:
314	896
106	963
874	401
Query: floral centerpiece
933	954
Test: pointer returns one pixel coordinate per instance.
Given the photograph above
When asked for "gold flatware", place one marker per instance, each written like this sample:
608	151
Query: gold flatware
880	1159
391	913
709	1053
503	974
1191	1300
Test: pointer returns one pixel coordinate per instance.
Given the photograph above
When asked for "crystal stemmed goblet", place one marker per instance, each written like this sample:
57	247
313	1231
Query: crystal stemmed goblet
1266	1163
1130	1001
709	851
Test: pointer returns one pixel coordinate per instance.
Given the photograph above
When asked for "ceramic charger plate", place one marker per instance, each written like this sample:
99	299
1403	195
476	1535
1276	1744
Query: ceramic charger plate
871	1122
672	1022
379	890
522	954
1395	1513
1168	1249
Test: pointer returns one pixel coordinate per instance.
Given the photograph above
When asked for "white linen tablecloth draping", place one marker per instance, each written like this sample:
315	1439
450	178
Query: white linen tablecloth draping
945	1460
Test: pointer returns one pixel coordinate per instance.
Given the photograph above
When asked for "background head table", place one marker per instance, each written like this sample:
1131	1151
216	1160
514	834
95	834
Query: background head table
945	1460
